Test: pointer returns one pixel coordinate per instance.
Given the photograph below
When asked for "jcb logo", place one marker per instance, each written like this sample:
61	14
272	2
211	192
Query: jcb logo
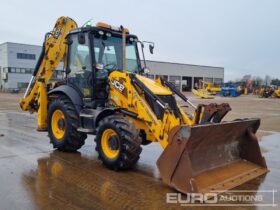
118	85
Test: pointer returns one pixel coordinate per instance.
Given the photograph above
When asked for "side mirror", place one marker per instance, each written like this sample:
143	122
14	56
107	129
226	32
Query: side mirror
146	70
151	48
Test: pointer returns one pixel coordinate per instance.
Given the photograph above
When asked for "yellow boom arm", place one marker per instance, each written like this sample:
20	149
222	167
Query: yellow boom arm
54	48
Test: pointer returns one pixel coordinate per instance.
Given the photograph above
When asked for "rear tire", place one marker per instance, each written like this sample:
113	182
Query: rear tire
63	122
118	142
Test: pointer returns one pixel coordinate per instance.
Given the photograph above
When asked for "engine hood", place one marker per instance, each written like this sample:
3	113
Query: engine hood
156	88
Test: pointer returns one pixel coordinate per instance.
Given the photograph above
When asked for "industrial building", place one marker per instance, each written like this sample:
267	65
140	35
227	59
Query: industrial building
17	62
185	76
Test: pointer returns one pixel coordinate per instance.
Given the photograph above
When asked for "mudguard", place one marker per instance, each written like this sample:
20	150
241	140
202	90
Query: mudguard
72	93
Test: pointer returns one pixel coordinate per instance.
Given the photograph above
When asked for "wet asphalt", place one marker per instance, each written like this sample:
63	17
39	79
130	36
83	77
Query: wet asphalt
35	176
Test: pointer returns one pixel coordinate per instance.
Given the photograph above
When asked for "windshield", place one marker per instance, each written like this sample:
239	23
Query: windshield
108	51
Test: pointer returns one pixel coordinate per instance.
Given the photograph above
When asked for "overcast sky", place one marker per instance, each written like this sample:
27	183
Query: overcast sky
243	36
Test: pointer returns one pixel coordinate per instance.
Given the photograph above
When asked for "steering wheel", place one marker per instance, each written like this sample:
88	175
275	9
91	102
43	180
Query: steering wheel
102	73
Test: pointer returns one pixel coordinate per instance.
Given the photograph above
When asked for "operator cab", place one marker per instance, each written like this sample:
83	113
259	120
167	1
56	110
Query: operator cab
93	53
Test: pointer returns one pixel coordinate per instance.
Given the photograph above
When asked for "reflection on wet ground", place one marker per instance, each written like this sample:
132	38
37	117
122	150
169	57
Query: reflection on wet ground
34	176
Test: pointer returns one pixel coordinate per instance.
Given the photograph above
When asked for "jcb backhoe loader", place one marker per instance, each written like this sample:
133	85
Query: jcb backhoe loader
104	92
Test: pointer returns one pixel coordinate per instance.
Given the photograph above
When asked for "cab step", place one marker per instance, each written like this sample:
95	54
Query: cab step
86	130
87	115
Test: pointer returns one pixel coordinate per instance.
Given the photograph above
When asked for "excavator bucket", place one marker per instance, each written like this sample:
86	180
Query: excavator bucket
212	157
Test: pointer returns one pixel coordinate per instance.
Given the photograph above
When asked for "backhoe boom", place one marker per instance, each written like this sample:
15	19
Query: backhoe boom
53	51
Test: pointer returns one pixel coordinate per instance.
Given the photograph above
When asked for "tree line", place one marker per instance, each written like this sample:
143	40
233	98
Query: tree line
257	80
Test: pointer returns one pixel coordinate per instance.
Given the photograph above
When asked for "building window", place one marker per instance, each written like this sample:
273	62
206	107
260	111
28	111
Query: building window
28	71
26	56
11	70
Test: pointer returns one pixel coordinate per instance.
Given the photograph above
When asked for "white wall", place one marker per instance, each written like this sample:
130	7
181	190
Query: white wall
14	79
14	48
3	60
176	69
8	58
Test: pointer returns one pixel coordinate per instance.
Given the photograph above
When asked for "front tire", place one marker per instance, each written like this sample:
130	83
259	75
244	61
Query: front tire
118	142
63	122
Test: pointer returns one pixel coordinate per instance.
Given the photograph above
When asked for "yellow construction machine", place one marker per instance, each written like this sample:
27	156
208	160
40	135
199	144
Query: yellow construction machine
265	92
105	92
277	92
205	90
202	93
211	88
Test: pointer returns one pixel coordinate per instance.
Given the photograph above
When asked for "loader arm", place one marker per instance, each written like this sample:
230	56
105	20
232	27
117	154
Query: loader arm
201	153
134	97
53	51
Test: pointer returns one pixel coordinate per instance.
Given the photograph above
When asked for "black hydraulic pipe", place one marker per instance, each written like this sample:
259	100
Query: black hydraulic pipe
129	113
40	59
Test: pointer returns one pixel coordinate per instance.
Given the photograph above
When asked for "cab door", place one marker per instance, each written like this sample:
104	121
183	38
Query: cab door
79	65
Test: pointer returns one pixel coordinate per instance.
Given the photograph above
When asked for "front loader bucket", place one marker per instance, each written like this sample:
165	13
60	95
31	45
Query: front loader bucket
212	157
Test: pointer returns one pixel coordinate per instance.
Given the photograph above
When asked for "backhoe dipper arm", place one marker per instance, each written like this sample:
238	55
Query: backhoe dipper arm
54	48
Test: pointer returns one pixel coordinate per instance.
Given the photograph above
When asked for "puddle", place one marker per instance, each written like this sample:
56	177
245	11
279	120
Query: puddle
33	176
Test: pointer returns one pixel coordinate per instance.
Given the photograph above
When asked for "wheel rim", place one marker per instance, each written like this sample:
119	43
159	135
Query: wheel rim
110	143
58	124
